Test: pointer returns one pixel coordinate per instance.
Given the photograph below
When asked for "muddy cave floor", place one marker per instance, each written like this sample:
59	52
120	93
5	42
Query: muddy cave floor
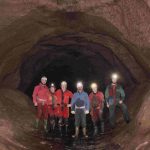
18	133
53	140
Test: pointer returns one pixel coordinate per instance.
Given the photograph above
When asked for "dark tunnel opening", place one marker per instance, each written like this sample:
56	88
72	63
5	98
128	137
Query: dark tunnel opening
88	63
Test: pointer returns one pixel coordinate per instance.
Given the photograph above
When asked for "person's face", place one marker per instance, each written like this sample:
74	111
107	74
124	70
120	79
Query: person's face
114	80
94	89
80	89
52	89
43	81
63	87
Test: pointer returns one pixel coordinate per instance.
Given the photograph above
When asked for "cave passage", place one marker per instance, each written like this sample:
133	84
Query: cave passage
88	62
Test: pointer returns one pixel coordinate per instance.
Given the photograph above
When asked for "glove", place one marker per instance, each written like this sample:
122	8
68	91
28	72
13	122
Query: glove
86	112
107	105
69	105
43	103
35	104
120	102
73	112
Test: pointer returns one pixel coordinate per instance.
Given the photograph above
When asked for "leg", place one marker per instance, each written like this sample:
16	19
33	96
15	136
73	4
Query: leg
95	128
83	122
60	125
66	116
77	124
102	122
66	125
94	120
39	114
112	115
125	112
45	115
52	123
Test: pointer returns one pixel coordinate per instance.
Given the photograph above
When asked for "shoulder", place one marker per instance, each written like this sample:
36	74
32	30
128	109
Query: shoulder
47	87
100	92
75	93
85	93
37	87
69	92
58	91
91	94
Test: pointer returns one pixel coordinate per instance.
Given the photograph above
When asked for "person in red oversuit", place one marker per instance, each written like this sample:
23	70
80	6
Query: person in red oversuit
40	99
63	96
97	104
52	106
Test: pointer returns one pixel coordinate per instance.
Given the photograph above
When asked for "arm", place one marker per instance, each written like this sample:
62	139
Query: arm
122	93
107	94
102	98
73	103
87	102
70	97
90	98
57	93
34	95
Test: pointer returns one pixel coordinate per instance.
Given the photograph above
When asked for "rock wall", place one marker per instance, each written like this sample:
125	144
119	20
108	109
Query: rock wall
131	17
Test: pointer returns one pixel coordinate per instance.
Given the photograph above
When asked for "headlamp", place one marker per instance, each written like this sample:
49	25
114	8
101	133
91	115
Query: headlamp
114	76
63	83
79	84
44	78
93	85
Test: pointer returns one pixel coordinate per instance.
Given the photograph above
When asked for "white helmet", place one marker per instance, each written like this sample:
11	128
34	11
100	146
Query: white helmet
64	83
79	84
93	85
44	78
114	76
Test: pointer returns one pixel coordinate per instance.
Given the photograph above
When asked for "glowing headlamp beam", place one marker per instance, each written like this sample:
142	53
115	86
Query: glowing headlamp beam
114	76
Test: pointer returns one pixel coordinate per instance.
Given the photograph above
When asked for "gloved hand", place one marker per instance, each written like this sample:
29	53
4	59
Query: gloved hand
73	112
43	103
107	105
120	102
86	112
35	104
101	111
69	105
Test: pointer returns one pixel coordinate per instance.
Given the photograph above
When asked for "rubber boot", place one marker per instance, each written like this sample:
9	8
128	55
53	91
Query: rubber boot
95	130
45	125
76	133
84	133
53	125
37	123
102	127
66	129
60	126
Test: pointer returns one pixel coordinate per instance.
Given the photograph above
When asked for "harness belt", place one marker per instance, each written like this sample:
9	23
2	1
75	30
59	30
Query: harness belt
41	100
82	107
